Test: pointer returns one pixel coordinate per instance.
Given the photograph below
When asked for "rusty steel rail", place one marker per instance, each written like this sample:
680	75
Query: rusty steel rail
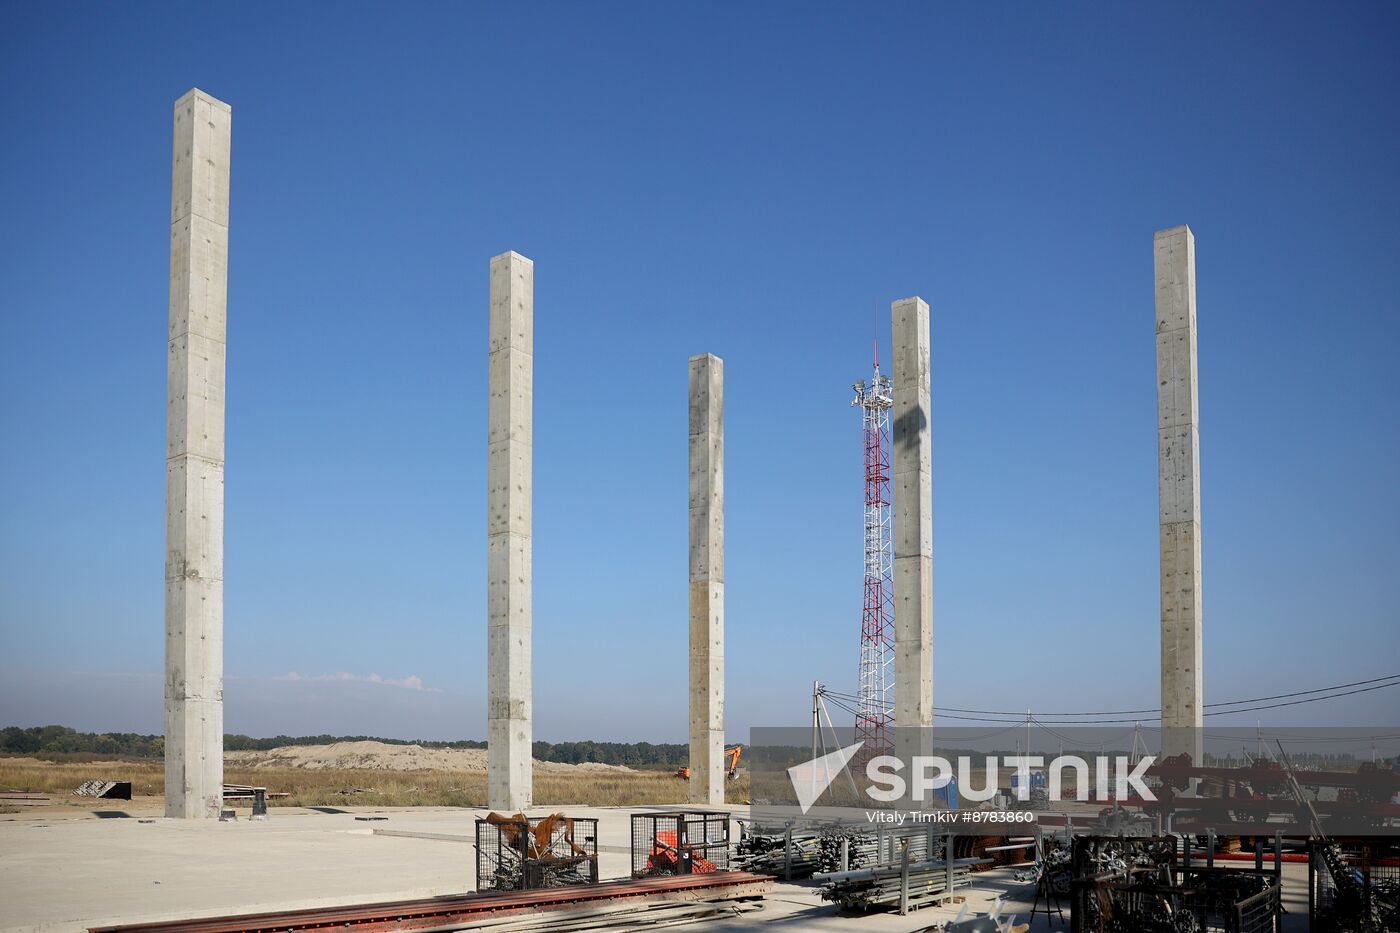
465	909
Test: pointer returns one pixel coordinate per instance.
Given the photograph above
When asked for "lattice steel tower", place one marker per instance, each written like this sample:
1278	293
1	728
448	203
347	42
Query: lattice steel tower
875	694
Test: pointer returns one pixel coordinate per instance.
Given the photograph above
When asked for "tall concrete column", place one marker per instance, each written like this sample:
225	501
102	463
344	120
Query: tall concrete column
913	529
194	459
707	579
1179	491
509	480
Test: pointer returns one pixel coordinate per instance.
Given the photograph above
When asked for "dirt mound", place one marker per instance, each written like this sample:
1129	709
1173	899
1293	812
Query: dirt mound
382	756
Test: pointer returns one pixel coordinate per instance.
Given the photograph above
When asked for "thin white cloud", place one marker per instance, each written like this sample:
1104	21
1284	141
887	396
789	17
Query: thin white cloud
411	682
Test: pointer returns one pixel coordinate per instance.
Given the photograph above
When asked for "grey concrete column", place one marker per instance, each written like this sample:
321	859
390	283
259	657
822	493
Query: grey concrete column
1179	490
913	529
706	579
194	459
509	480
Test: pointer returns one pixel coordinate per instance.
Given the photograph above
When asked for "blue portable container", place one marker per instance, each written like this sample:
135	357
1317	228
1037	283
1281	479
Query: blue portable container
1038	781
945	792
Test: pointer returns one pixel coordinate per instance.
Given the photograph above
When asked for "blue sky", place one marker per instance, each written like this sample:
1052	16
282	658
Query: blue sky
756	181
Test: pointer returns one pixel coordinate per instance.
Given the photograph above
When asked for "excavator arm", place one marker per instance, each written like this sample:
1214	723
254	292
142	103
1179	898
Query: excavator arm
732	754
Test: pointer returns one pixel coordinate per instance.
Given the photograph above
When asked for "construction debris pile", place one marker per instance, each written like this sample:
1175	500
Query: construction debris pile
110	790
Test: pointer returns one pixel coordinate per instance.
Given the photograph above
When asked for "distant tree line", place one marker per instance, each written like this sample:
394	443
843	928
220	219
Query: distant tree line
63	740
244	743
632	754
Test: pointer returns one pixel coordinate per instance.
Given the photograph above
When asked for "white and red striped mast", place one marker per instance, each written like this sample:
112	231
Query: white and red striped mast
875	693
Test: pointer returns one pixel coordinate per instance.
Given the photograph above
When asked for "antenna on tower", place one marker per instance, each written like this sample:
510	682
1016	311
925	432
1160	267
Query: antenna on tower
875	328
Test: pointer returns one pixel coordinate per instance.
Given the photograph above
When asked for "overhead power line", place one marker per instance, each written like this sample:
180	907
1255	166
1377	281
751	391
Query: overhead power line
1300	693
1236	706
1013	717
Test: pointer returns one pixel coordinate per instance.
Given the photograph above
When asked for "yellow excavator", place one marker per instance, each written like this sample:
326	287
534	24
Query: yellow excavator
731	763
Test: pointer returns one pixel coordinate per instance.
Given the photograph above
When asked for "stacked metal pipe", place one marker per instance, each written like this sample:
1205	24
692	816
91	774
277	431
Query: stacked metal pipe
765	851
903	886
831	847
860	849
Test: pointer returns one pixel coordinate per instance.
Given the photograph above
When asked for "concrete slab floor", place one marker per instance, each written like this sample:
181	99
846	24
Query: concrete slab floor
66	872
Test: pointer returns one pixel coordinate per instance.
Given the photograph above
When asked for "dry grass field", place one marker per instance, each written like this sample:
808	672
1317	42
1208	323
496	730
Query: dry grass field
314	788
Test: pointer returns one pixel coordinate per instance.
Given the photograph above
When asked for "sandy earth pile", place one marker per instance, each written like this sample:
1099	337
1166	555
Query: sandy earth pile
381	756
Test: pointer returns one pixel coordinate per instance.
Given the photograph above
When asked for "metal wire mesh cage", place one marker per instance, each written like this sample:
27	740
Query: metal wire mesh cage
1369	888
519	854
1231	899
1112	875
1138	883
679	843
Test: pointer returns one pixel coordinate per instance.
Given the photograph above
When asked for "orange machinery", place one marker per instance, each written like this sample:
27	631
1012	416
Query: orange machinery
732	754
666	854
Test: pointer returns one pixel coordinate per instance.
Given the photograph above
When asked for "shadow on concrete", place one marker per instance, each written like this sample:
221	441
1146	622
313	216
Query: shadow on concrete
327	810
111	814
806	916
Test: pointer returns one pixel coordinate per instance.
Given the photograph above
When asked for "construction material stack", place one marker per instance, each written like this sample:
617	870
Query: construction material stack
799	851
646	903
906	886
787	851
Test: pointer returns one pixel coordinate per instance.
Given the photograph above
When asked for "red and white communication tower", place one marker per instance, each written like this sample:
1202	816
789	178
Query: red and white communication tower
875	694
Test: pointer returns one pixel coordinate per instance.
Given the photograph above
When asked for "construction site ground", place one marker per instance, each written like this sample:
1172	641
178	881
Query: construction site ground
68	869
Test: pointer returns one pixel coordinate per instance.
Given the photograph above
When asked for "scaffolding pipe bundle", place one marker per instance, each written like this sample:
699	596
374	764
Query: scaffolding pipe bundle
906	886
801	851
789	853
